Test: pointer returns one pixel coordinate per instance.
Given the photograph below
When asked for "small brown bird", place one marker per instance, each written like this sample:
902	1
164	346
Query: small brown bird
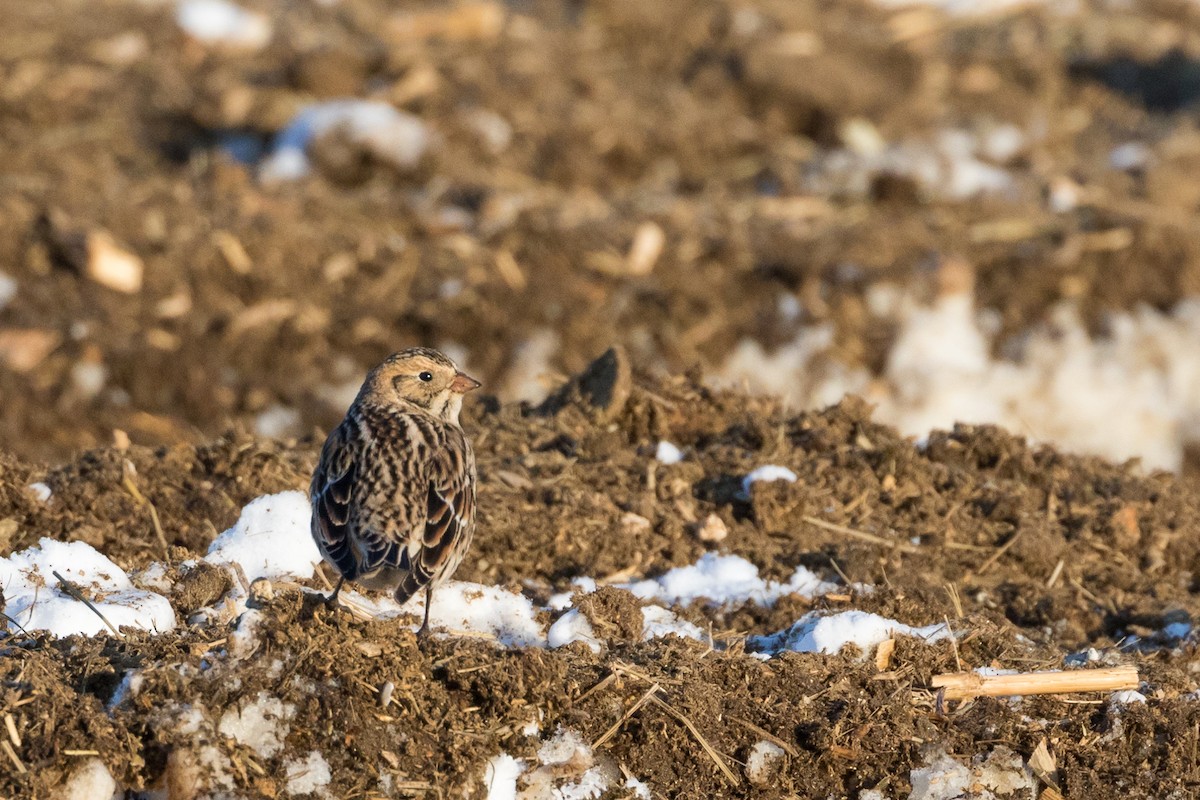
393	495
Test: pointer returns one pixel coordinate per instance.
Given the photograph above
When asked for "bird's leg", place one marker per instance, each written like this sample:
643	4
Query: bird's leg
424	631
331	600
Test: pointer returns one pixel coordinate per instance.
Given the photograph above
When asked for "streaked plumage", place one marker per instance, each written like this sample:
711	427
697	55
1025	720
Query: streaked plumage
394	491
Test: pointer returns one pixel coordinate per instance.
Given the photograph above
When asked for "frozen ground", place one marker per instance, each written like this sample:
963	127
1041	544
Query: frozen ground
270	542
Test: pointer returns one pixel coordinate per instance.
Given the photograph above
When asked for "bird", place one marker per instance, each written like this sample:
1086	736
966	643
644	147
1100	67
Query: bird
393	493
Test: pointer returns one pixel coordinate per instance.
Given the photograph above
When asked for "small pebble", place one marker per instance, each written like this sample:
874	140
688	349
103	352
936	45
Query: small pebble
667	453
712	529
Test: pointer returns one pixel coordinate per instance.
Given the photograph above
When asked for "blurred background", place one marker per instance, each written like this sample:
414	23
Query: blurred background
217	214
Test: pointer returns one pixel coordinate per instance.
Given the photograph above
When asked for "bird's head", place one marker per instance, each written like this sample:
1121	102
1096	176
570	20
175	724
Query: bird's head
423	378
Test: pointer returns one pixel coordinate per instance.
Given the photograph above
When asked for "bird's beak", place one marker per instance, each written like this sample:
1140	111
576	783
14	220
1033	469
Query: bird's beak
464	383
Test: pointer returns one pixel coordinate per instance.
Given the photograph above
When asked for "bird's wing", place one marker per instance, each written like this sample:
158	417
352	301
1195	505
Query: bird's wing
449	514
332	495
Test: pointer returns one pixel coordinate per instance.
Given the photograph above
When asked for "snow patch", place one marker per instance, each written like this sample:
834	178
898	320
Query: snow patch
770	472
308	775
819	633
667	453
1126	698
220	22
953	164
640	790
91	780
393	136
761	765
271	539
36	600
1132	393
573	626
130	685
558	602
725	580
1001	773
656	623
567	771
509	618
500	777
260	725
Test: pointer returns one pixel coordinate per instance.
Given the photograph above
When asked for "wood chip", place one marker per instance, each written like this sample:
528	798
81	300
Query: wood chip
648	243
510	271
22	349
466	22
233	252
1043	764
111	265
370	649
883	654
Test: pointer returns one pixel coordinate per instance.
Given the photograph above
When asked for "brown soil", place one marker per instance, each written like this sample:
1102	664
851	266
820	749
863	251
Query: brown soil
700	116
703	117
993	518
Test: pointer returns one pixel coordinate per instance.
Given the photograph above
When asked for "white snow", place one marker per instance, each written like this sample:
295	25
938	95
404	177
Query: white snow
130	685
1129	156
500	777
1132	393
391	135
154	576
820	633
591	784
942	778
1002	773
1126	698
567	770
656	623
244	640
222	22
307	775
509	618
640	790
767	473
91	780
667	453
760	765
260	724
36	601
271	539
725	580
573	627
564	746
562	600
951	164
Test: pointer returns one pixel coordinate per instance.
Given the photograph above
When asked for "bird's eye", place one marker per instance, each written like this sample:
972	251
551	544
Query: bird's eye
426	376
